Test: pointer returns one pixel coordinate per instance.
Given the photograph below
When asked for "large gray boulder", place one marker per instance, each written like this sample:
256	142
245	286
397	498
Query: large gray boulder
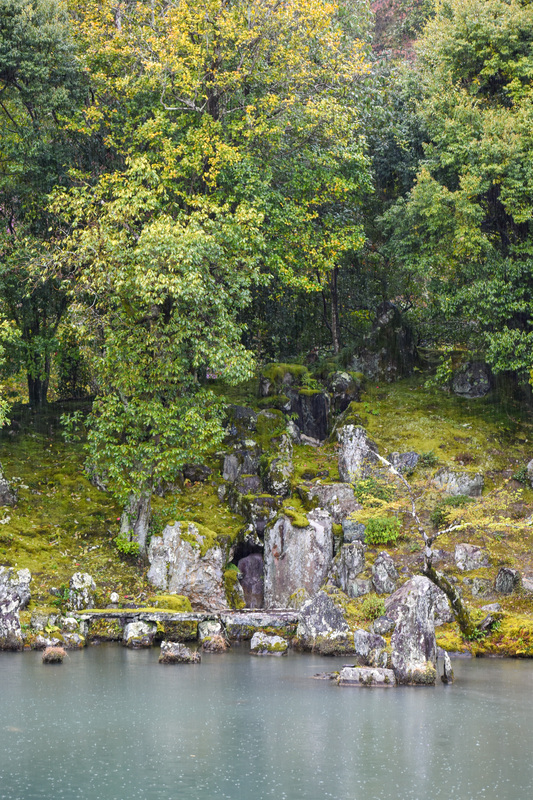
384	574
251	580
14	595
441	604
367	676
187	560
455	483
311	408
243	460
348	564
176	653
529	469
337	498
139	634
262	644
507	580
353	531
297	558
81	592
277	471
320	619
357	451
8	496
469	556
414	649
370	648
472	380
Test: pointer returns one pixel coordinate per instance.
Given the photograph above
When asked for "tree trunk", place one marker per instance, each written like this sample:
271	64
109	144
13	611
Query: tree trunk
135	519
459	609
334	310
37	391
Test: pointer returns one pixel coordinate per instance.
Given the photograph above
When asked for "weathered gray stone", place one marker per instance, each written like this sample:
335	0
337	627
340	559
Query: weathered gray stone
527	583
294	432
312	410
472	380
507	580
348	564
353	531
367	676
404	462
337	498
251	580
478	586
492	608
68	624
343	391
176	653
469	556
298	598
260	510
14	595
360	587
8	496
178	566
320	618
248	484
382	625
276	472
241	422
447	674
297	557
264	645
384	574
529	469
455	483
414	649
210	628
441	604
357	457
369	647
243	460
81	592
139	634
242	625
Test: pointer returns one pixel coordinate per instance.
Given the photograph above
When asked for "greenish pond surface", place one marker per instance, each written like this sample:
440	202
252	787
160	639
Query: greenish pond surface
112	724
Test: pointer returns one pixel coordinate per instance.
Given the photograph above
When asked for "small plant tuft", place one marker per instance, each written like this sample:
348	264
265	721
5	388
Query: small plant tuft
382	530
373	607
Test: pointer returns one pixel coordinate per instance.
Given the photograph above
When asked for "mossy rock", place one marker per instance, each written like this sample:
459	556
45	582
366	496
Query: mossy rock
177	630
233	589
105	630
171	602
285	374
271	425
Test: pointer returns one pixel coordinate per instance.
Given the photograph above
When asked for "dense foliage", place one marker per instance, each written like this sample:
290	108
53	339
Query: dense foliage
187	187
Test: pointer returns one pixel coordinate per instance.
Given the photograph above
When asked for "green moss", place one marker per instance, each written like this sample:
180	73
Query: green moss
232	588
309	392
294	509
105	630
171	602
271	425
449	638
177	630
276	372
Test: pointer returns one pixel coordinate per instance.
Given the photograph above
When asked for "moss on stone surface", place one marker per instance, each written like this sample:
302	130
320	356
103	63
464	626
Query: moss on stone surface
171	602
105	630
232	588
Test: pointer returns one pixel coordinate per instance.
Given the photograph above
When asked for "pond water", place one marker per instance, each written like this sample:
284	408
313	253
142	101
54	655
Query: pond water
112	724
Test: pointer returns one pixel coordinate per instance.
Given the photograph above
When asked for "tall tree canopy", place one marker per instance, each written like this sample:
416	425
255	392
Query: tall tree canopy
233	154
466	226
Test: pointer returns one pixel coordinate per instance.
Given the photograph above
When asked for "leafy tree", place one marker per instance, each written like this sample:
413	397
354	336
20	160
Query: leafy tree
465	227
231	129
39	84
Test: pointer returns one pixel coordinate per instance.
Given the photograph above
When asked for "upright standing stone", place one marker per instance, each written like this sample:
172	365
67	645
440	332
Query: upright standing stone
414	649
357	457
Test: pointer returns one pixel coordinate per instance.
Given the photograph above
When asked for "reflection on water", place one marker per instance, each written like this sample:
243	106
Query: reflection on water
112	724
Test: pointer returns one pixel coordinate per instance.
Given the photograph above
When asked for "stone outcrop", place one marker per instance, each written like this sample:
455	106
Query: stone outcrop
472	380
367	676
337	498
242	625
348	564
8	496
276	471
442	610
469	556
389	350
404	462
81	592
414	650
353	531
455	483
186	559
251	580
370	649
139	634
320	619
14	595
176	653
296	557
357	457
507	580
343	391
447	671
264	645
384	574
312	410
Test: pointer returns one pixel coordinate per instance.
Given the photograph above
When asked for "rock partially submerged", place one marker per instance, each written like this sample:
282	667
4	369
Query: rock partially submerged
367	676
176	653
264	645
14	595
442	610
54	655
139	634
414	649
321	622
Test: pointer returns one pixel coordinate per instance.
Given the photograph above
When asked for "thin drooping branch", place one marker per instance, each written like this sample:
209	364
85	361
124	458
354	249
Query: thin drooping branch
461	612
